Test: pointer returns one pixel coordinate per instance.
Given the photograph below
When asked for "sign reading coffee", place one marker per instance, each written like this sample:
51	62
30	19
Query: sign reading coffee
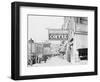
57	34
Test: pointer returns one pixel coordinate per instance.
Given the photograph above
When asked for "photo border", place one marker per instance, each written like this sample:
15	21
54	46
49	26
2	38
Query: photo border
15	39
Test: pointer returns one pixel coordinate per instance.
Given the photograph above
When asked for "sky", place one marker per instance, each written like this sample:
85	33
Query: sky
38	26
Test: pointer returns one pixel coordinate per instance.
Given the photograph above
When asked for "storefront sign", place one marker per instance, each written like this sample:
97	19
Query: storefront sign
58	34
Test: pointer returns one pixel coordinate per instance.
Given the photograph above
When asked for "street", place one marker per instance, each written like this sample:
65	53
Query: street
58	61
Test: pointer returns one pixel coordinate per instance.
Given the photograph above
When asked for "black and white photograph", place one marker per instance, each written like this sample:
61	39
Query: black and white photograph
57	40
53	40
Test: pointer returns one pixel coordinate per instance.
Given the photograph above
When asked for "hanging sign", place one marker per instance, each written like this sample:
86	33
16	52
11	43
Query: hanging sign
57	34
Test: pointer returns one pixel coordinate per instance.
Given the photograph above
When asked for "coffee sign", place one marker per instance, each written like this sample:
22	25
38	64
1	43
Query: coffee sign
57	34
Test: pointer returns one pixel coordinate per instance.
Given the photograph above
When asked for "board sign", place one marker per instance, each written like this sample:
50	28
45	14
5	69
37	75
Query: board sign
57	34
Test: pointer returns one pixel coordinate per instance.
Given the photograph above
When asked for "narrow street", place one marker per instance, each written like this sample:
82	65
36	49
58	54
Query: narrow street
53	61
58	61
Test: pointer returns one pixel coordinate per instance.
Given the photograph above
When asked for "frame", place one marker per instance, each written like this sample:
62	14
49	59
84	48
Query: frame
54	34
